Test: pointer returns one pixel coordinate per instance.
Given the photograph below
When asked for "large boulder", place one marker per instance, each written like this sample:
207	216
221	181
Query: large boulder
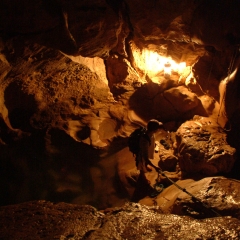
201	146
181	98
212	196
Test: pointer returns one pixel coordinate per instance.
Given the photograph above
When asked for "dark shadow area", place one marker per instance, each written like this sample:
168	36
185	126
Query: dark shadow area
84	133
23	170
20	105
149	102
70	163
233	138
33	169
142	188
142	102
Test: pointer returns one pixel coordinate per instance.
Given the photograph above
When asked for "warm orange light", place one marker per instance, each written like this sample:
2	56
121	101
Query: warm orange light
167	68
153	64
181	67
190	79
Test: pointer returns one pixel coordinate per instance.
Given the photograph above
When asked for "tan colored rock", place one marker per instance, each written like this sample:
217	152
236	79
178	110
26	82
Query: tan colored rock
127	171
218	194
121	75
181	98
168	160
201	147
107	129
214	196
208	103
40	219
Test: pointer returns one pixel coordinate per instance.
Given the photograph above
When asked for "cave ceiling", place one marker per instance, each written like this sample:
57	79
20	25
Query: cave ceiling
109	43
89	72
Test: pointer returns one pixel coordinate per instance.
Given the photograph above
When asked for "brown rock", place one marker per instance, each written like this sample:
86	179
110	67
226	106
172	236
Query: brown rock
46	220
202	147
213	197
181	98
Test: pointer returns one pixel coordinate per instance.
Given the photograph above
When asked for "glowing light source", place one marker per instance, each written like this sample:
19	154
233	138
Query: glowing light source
190	79
153	64
181	67
167	69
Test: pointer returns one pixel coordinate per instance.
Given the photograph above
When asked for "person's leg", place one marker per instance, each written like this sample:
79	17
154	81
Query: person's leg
142	188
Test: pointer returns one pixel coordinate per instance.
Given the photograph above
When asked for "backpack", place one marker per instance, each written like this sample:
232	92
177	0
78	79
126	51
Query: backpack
134	138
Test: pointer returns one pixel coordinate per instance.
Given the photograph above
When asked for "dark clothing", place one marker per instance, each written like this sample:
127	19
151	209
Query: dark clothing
143	187
146	153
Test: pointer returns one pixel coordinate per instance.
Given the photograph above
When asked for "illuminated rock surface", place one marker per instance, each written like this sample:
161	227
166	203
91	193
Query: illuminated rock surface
202	147
212	197
45	220
77	77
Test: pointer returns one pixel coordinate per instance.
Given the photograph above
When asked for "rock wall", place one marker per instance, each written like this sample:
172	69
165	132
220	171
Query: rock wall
74	84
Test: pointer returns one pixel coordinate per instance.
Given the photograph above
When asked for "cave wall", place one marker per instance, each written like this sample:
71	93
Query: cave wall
72	91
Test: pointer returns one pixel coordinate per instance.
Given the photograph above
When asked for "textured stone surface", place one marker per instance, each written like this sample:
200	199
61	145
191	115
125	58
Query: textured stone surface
219	194
185	100
74	84
212	197
45	220
202	147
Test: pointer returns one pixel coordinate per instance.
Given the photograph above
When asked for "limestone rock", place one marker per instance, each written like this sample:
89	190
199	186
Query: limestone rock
218	194
89	29
181	99
168	160
41	219
121	76
201	146
127	171
61	64
205	27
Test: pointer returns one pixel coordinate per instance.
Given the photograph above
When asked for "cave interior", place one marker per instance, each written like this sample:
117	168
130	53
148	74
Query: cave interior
77	77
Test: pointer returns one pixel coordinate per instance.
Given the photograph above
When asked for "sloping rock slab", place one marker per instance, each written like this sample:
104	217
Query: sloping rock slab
213	196
218	194
45	220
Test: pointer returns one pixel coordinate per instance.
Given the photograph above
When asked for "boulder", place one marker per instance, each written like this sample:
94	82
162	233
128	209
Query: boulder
201	146
181	98
168	160
213	196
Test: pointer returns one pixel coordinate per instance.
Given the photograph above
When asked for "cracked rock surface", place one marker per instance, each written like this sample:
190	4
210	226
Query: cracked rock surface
46	220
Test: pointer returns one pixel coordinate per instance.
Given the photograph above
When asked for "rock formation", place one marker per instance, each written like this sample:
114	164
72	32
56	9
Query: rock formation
77	77
45	220
201	146
208	197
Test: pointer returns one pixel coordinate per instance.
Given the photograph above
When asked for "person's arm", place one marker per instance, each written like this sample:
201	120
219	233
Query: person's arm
151	164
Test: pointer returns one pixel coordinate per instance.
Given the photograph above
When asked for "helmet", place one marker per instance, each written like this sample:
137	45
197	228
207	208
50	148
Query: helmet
154	125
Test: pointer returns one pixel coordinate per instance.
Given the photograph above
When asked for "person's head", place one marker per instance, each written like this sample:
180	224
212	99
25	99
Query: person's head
154	125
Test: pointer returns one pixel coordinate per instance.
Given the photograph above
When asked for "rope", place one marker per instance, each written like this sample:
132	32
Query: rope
193	197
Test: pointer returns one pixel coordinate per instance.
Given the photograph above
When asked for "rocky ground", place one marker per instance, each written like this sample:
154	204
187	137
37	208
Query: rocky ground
77	77
46	220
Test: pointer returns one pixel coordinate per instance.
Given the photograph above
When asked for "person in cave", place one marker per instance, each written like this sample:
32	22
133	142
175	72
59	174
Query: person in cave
143	160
